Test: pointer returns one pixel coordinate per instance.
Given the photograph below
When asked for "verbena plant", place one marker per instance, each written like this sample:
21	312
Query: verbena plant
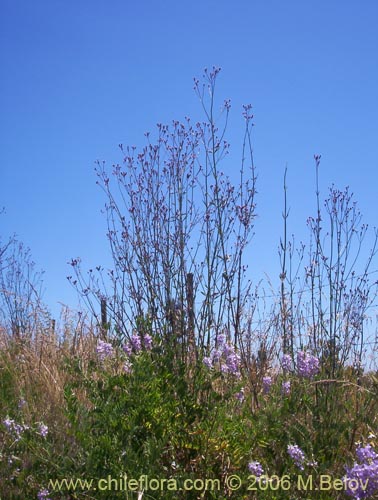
178	230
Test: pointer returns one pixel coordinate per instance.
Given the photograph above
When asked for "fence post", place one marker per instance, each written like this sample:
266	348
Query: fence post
104	319
190	304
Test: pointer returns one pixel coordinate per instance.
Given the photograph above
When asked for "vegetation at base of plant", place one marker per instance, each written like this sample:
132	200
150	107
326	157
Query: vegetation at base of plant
165	421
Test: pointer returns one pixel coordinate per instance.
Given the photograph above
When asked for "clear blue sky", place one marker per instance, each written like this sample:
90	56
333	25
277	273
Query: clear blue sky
80	77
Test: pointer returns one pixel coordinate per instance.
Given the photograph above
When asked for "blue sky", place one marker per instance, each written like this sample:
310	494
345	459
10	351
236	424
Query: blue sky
78	78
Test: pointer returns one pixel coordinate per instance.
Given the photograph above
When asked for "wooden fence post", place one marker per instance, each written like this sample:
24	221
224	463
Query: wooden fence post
104	319
190	304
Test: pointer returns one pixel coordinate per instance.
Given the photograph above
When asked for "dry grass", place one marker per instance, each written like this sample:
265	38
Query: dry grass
36	367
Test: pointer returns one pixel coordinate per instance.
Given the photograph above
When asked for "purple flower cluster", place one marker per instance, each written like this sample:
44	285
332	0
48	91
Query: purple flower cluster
127	349
208	362
14	428
147	340
127	367
43	494
366	453
104	350
308	365
361	480
137	343
221	340
225	355
255	468
267	384
285	389
18	429
297	455
286	362
230	360
240	396
43	430
22	402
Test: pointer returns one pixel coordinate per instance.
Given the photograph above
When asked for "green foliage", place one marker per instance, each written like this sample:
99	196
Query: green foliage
167	420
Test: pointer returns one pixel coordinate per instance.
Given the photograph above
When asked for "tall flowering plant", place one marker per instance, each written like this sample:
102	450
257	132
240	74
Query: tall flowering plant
178	228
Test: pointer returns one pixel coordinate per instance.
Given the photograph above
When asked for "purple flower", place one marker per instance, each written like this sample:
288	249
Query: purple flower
135	342
127	367
225	355
285	388
104	350
240	395
227	350
308	365
127	349
224	368
207	361
286	362
297	455
21	403
267	383
43	430
9	423
232	363
366	454
361	480
255	468
43	494
216	356
221	339
147	342
231	360
14	428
